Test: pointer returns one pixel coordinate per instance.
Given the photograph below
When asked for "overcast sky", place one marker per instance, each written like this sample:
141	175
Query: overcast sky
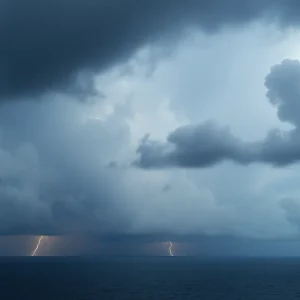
150	120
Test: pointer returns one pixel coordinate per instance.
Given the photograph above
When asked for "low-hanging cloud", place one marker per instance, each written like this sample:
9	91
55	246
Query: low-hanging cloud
208	144
58	45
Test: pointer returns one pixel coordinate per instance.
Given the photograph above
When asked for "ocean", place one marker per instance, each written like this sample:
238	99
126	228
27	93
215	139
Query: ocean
42	278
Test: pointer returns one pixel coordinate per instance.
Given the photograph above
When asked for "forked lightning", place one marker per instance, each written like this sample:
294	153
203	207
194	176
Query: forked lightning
34	252
170	249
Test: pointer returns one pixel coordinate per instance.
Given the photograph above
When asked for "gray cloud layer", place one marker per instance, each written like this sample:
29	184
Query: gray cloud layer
46	45
54	175
207	144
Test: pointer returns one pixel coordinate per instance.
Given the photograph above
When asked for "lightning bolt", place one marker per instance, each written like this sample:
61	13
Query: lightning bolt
39	241
170	249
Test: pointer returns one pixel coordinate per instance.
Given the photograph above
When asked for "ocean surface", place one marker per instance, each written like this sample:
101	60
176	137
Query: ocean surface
38	278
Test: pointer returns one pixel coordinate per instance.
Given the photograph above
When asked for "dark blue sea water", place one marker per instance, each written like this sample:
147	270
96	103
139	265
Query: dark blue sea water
149	278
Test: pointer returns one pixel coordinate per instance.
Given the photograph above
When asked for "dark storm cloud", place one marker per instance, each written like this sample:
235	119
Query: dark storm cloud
194	146
207	144
56	175
47	44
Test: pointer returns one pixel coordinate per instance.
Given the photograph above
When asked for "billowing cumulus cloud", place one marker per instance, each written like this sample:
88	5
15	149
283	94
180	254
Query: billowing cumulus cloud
57	178
208	144
65	165
59	45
